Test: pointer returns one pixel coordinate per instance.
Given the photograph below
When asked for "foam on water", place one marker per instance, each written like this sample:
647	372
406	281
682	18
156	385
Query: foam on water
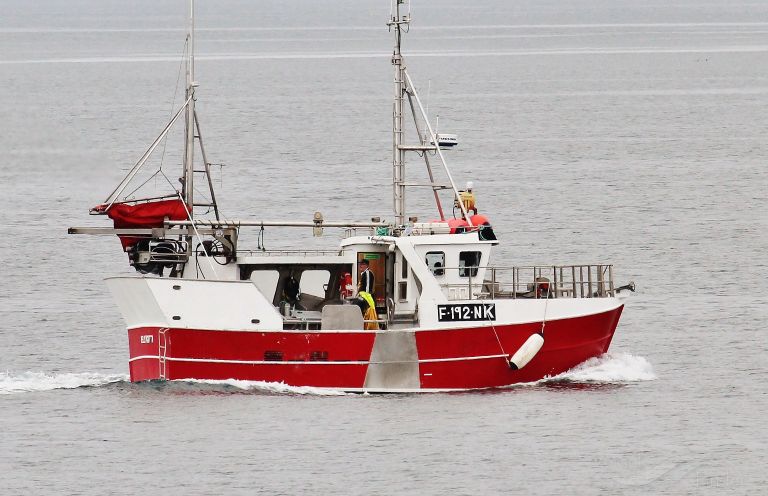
29	381
267	387
609	368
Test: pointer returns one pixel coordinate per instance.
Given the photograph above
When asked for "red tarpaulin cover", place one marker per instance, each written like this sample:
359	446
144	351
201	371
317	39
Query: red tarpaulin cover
144	215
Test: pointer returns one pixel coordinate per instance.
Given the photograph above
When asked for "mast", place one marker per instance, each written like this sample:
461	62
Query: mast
189	126
188	180
398	154
404	87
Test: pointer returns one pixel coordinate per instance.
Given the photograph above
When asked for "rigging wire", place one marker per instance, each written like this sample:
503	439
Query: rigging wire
199	239
142	184
505	355
175	92
202	194
165	139
169	181
165	142
544	319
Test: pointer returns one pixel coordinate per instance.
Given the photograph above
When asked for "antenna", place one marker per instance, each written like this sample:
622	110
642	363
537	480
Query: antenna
394	12
429	92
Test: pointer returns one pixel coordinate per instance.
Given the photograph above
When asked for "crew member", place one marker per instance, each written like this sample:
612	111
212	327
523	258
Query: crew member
365	295
291	292
365	281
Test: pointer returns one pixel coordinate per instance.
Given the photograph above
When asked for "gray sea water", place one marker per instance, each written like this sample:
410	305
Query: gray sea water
622	132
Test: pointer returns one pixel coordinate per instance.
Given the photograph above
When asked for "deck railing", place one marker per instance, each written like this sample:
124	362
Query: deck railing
540	281
358	231
282	253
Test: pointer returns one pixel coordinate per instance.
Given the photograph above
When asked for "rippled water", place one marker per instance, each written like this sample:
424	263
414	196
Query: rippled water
619	132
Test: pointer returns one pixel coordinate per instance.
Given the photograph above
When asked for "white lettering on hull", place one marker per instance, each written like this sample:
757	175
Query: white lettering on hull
472	312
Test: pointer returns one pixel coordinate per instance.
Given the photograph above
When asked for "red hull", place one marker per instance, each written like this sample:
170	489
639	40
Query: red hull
468	358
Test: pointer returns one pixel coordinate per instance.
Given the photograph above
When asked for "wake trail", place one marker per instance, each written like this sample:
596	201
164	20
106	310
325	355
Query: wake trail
29	382
33	381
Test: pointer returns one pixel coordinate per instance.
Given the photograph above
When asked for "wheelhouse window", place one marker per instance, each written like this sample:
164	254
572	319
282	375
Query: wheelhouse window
266	281
402	285
315	282
436	262
469	261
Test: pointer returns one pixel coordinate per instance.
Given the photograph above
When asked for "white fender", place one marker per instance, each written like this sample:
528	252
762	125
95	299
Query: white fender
527	351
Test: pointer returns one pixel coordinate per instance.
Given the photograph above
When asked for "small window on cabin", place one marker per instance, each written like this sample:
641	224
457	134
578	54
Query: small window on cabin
404	268
469	261
436	262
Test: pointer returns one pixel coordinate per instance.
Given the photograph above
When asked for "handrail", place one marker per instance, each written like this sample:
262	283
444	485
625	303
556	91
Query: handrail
276	253
273	223
533	281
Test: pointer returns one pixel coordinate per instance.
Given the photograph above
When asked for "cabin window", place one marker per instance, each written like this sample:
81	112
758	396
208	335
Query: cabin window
436	262
266	281
469	261
315	282
402	286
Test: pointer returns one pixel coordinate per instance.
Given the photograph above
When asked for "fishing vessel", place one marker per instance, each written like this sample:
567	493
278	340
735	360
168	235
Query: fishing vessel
404	305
